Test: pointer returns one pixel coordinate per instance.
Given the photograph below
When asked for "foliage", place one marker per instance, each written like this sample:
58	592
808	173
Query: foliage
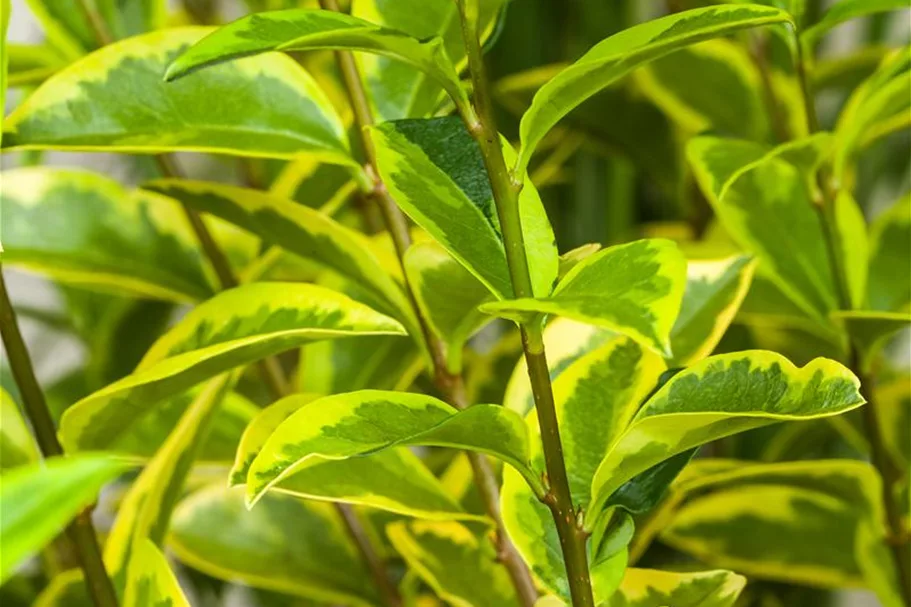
638	346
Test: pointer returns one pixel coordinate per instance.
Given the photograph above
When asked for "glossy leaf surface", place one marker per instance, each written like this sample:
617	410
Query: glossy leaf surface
116	100
298	30
236	327
616	56
717	397
40	499
633	288
395	479
368	421
101	235
435	171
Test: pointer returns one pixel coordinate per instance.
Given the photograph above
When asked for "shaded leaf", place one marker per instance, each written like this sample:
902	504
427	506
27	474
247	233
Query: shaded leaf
17	447
40	499
634	288
448	296
869	330
652	588
851	246
236	327
461	567
714	291
435	171
616	56
151	581
360	423
264	548
116	100
889	278
845	10
85	229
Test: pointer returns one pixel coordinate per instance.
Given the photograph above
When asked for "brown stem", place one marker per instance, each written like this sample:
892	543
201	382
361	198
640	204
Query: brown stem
450	385
506	188
374	563
80	531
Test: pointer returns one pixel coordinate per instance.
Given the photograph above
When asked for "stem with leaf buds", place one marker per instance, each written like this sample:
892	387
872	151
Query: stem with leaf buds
506	188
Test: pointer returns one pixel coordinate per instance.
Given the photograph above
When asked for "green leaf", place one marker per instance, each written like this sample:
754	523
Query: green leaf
294	227
878	100
116	100
565	342
396	89
808	523
382	362
448	296
146	509
40	499
652	588
17	447
714	291
234	328
395	480
717	397
869	330
889	272
460	567
126	18
359	423
683	84
67	30
31	64
5	9
101	235
851	246
633	288
616	56
767	208
845	10
299	30
434	170
151	581
214	533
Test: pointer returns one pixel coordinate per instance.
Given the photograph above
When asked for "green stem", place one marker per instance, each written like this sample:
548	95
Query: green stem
451	385
506	190
80	531
897	539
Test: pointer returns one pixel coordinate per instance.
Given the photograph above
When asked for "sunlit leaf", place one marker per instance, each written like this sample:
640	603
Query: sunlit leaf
40	499
435	172
116	100
298	30
633	288
213	532
394	479
717	397
845	10
236	327
85	229
616	56
359	423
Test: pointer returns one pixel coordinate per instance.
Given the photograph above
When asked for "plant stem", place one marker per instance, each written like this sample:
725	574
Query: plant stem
451	385
81	531
506	195
897	539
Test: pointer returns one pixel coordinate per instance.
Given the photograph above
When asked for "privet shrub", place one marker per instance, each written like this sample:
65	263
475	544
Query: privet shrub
385	384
